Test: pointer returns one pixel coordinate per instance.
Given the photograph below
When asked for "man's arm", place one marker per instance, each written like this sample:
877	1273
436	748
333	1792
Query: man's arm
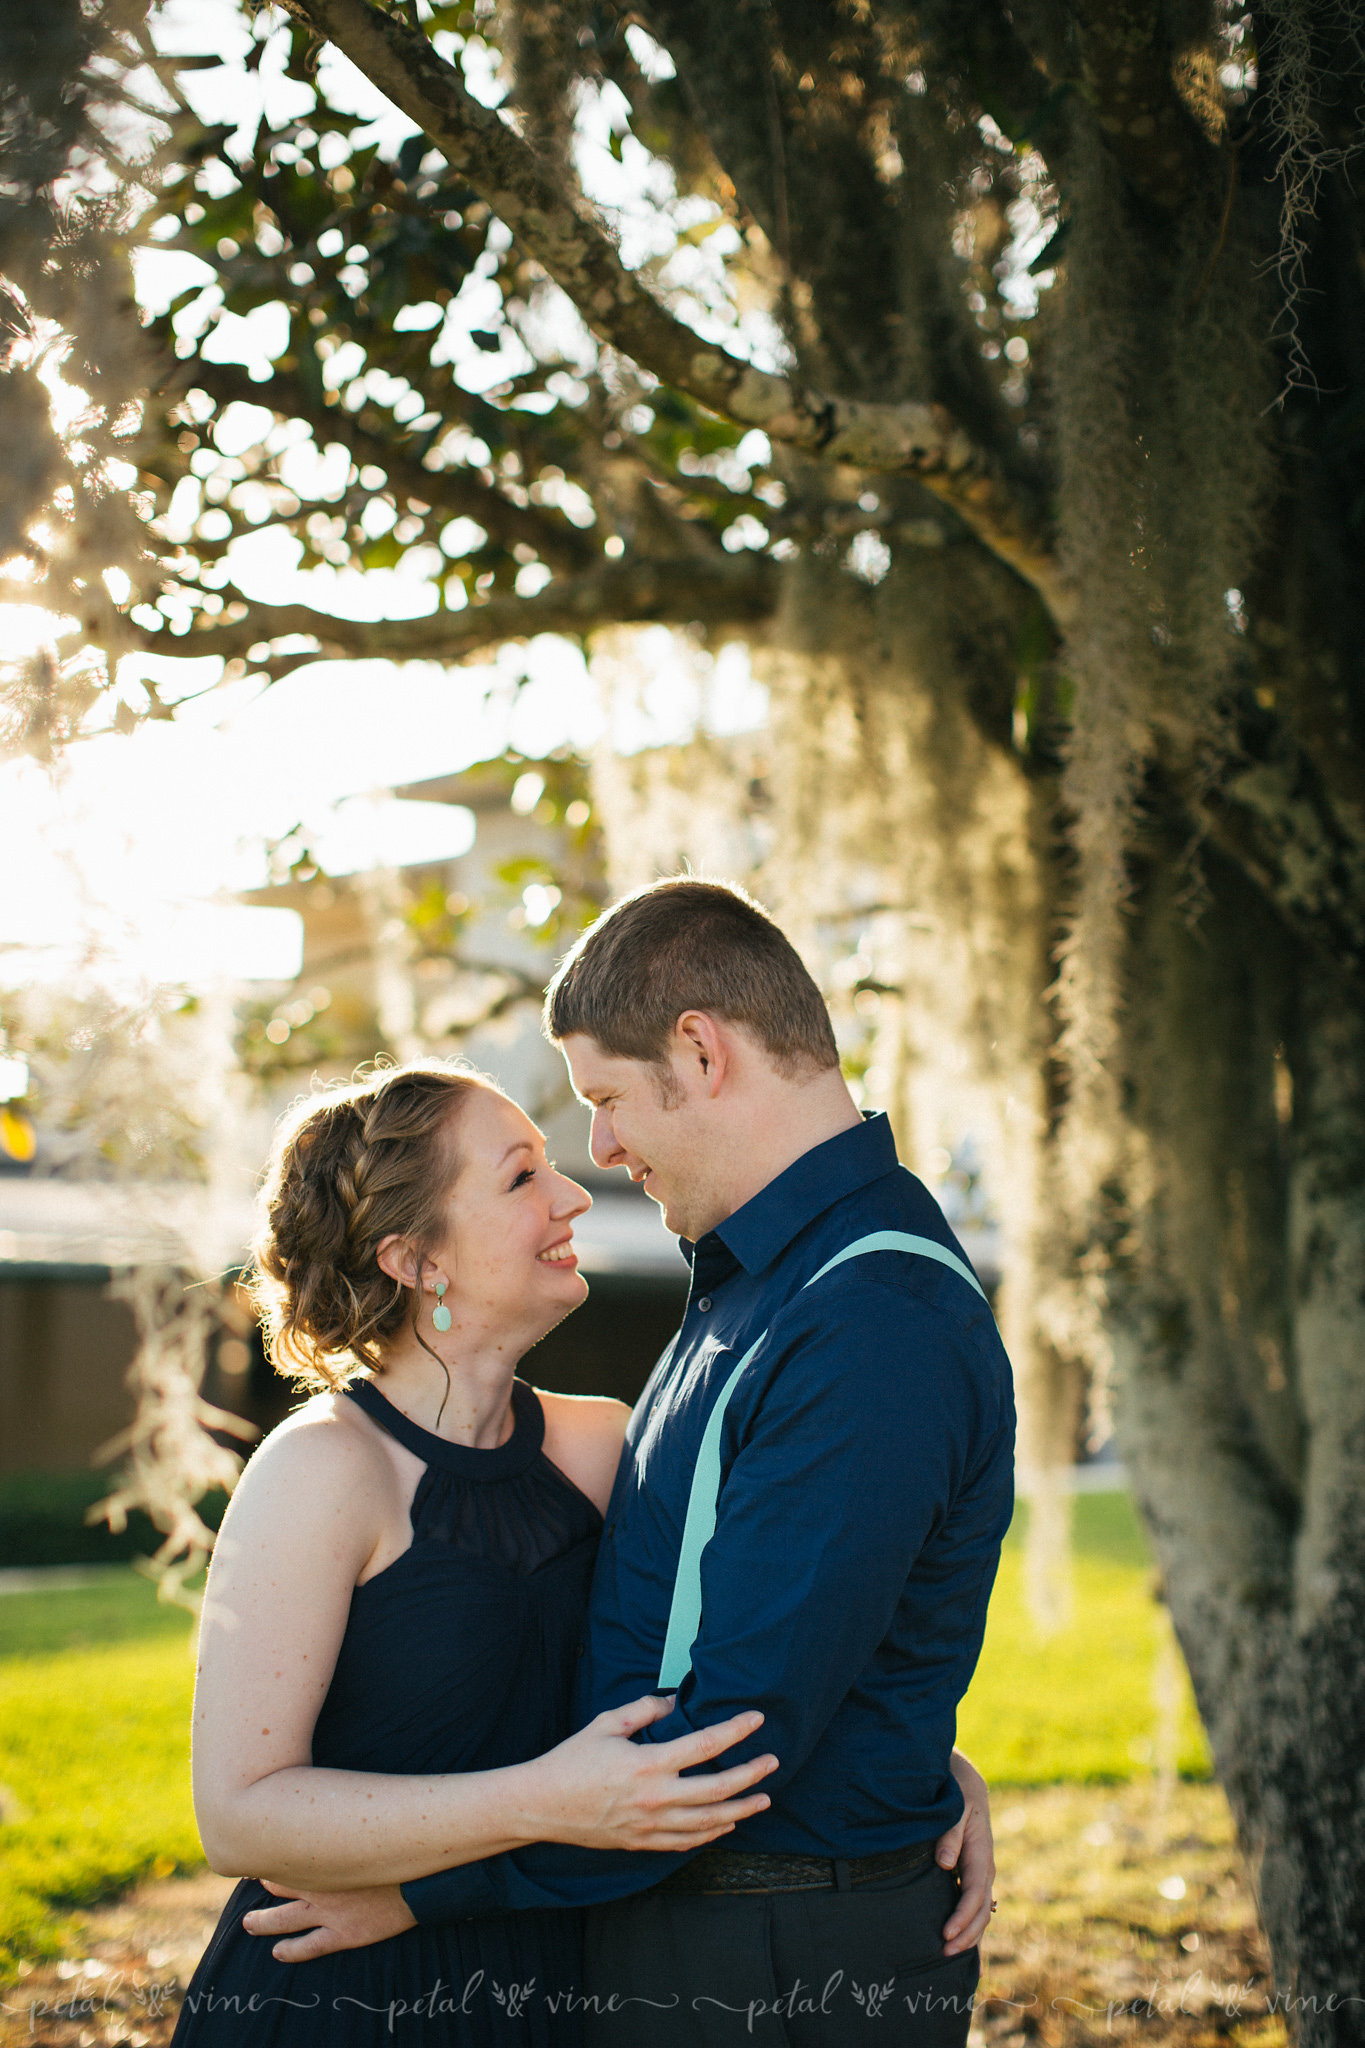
969	1849
322	1923
853	1454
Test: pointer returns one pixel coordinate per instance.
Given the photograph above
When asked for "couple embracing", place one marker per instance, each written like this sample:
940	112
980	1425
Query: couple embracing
757	1599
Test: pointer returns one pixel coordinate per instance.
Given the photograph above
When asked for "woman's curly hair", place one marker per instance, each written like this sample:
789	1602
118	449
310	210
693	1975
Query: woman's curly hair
350	1166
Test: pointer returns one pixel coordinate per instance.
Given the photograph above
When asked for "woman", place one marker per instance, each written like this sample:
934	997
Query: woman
394	1606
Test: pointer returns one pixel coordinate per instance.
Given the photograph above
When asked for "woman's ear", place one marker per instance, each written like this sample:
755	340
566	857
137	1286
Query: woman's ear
397	1257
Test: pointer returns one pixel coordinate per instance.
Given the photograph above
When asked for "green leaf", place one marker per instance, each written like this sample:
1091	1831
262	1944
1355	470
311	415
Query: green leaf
308	362
410	157
526	867
1047	257
384	553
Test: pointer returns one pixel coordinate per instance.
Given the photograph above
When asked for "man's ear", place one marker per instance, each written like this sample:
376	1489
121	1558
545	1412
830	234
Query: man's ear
704	1045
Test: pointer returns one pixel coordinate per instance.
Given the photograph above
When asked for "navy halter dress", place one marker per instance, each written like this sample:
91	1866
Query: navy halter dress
459	1656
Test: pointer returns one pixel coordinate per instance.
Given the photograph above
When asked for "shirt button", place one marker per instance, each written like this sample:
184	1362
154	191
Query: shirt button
580	1649
704	1303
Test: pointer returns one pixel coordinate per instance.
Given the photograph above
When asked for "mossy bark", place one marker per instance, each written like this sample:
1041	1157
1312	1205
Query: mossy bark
1240	1322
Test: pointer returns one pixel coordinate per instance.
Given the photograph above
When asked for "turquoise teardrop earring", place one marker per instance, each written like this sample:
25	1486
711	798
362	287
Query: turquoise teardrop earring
440	1315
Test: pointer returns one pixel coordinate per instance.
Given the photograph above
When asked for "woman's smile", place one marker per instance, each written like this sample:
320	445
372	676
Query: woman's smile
561	1254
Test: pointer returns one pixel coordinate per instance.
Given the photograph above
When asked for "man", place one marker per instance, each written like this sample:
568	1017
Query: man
807	1519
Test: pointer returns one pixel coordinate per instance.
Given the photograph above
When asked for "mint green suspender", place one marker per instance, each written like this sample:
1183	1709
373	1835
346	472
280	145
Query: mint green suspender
684	1614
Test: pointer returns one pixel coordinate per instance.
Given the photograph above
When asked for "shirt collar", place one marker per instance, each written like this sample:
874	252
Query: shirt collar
760	1231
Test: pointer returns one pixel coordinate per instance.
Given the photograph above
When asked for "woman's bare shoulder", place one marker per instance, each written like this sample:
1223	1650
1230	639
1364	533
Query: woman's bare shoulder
324	1445
583	1436
590	1417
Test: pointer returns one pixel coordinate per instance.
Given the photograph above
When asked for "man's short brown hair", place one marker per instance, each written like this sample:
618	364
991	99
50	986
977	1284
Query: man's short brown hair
687	945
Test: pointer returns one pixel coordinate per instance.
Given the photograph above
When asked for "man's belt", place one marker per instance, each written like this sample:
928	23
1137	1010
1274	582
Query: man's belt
740	1870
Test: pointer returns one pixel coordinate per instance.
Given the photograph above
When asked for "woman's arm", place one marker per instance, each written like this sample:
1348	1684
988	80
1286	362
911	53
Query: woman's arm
308	1514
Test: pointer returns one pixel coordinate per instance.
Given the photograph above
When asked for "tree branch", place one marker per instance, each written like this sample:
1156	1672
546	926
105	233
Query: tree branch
453	492
560	231
729	589
1275	818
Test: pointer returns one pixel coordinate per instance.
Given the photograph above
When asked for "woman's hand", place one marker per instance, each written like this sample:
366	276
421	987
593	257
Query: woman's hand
604	1791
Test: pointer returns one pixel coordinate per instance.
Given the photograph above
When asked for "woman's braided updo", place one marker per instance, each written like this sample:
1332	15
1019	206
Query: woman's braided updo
350	1166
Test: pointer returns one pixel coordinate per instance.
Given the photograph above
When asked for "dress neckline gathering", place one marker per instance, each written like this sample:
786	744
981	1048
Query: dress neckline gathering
503	1461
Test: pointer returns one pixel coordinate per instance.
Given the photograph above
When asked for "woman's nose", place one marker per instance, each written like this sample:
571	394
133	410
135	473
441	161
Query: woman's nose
571	1199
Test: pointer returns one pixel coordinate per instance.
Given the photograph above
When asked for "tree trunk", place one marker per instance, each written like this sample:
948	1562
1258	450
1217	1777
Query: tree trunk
1239	1324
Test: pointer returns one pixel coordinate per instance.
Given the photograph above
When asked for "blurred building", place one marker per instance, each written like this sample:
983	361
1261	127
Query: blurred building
448	957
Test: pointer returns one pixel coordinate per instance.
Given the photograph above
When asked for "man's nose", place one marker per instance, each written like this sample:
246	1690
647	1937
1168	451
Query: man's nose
602	1140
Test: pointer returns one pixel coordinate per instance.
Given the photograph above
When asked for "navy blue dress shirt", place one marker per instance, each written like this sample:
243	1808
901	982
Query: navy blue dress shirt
867	1482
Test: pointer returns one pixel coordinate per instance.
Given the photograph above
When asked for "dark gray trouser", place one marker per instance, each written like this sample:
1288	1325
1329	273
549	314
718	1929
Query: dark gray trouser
806	1969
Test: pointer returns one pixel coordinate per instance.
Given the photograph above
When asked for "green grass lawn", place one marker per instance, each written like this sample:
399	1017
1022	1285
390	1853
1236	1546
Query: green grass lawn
95	1688
1105	1697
